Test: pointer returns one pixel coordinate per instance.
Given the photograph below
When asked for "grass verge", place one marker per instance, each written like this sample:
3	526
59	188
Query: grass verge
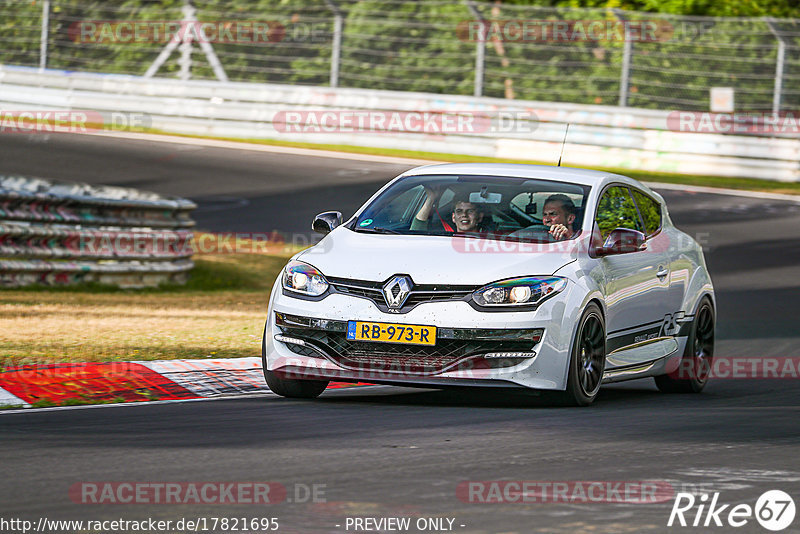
220	313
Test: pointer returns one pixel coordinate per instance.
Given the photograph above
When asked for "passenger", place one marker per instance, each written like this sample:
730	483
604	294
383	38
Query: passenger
559	214
466	216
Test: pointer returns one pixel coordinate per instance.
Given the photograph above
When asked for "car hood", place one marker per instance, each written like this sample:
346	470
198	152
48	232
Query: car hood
433	259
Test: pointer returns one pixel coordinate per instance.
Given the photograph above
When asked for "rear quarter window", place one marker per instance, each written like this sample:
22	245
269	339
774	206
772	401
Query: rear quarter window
617	210
650	210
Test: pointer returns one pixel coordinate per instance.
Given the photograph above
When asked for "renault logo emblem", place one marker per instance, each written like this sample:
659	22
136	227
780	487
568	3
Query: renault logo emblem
396	290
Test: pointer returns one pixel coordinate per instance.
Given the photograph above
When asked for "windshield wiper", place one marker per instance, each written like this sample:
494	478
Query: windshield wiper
377	230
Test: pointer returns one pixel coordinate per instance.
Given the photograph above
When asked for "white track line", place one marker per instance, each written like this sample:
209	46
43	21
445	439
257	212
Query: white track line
264	394
131	404
321	153
255	147
723	191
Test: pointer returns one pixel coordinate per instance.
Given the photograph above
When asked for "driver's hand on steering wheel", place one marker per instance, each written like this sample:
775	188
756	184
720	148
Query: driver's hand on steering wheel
559	232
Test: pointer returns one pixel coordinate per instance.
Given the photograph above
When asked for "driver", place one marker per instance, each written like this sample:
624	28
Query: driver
559	214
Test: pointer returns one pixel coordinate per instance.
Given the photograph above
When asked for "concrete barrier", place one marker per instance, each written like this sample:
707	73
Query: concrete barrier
58	233
608	136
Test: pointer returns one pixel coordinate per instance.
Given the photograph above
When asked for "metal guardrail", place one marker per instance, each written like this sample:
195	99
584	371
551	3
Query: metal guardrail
599	136
60	233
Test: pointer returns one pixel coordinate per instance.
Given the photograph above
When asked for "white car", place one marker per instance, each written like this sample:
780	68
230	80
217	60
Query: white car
524	276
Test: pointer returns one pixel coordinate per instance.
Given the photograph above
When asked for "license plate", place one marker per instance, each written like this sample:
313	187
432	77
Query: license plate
410	334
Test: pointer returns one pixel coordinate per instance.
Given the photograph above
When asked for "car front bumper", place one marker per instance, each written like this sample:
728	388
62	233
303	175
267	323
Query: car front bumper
306	339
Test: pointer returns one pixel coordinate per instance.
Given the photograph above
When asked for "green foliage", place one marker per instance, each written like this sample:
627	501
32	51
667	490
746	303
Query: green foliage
299	30
43	403
421	46
709	8
246	272
414	49
19	21
583	71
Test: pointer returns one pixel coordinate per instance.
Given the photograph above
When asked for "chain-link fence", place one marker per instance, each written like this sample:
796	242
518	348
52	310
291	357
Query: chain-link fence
592	56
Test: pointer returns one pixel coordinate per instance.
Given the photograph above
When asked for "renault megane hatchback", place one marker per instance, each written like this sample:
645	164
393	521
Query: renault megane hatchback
526	276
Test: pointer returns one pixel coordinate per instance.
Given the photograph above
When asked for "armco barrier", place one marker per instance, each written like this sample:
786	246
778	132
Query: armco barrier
60	233
599	136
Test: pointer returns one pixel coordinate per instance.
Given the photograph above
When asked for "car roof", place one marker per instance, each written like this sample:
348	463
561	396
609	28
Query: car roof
542	172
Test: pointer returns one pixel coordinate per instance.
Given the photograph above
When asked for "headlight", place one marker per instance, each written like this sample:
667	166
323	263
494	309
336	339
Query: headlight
304	279
527	291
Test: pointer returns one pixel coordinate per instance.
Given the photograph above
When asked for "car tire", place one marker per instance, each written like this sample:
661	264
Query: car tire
294	389
588	358
697	356
288	387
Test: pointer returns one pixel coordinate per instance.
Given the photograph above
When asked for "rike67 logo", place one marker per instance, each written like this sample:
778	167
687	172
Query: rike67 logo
774	510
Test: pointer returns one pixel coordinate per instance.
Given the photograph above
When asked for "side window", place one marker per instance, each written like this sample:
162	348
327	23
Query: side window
650	210
617	210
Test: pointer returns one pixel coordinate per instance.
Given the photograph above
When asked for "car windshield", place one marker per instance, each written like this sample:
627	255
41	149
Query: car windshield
519	209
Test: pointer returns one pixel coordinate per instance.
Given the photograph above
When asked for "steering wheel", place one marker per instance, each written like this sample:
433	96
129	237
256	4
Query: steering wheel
537	231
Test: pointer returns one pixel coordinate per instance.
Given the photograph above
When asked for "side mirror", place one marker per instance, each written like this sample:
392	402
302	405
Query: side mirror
622	241
325	222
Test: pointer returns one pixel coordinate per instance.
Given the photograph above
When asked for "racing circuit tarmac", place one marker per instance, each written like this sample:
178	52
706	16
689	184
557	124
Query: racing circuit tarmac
390	452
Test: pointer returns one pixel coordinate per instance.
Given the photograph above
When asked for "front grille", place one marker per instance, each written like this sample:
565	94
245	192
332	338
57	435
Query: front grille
418	297
419	294
399	358
376	295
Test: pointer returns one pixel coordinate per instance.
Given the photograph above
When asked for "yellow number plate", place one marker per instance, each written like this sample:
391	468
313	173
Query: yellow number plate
410	334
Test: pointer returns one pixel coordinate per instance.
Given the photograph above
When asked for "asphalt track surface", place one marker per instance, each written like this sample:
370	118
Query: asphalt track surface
389	452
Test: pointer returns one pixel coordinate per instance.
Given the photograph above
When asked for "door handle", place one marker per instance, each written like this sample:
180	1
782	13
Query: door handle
662	272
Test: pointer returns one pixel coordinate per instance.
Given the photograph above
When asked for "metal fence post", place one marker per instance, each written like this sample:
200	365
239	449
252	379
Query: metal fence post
777	92
336	52
45	34
480	50
480	55
185	61
627	52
